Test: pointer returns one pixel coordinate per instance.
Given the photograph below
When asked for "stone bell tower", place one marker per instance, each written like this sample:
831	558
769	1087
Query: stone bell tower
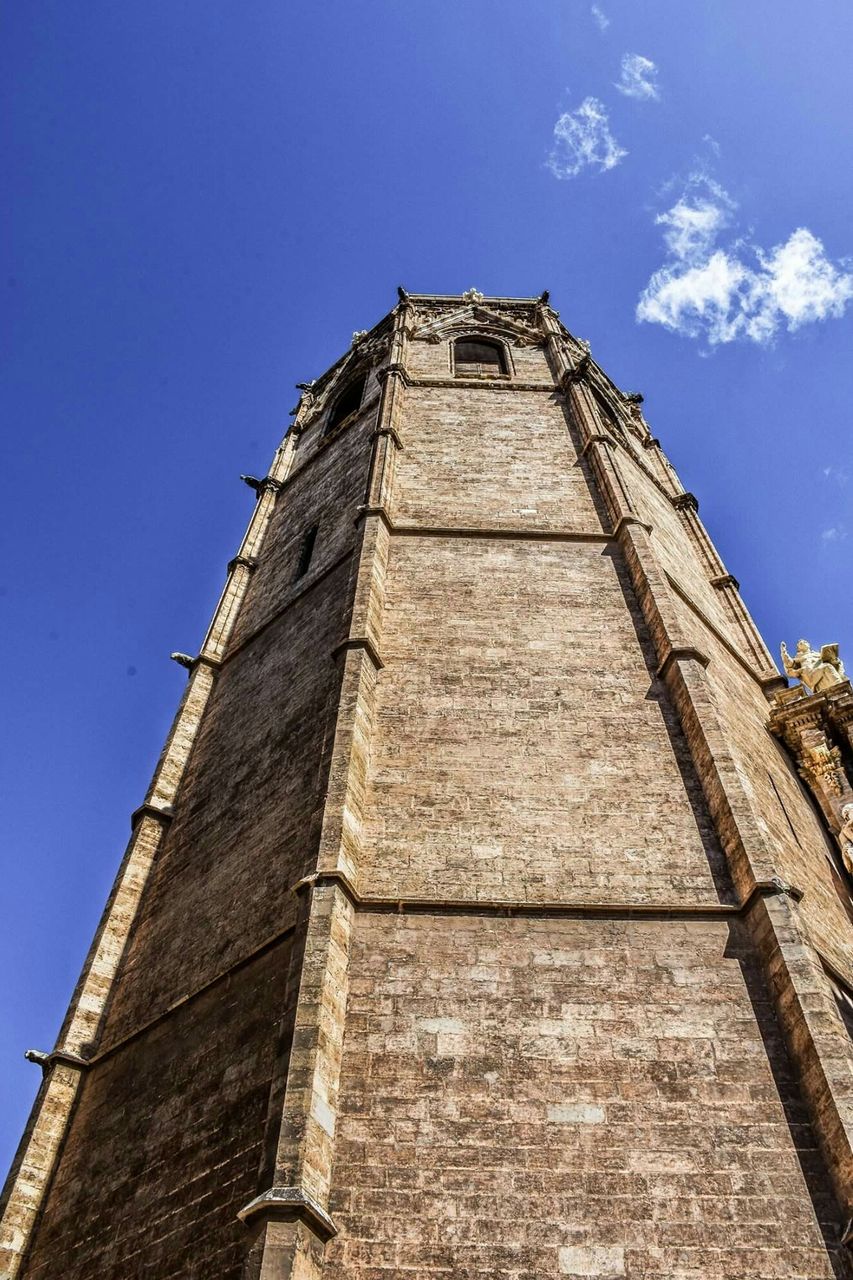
478	921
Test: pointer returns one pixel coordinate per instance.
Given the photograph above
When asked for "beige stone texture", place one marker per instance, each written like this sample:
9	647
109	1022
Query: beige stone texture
474	925
466	1034
485	458
518	713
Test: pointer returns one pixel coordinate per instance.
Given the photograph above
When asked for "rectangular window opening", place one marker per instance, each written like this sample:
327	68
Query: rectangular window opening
306	551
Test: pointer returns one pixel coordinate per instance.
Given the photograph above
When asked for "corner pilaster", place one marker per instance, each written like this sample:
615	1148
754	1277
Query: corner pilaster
291	1217
78	1039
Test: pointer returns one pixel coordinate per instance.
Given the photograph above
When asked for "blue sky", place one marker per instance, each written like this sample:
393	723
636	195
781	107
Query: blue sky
209	197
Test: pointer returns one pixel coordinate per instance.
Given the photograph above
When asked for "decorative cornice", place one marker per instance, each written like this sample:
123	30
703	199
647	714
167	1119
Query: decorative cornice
473	313
289	1203
505	383
725	580
685	502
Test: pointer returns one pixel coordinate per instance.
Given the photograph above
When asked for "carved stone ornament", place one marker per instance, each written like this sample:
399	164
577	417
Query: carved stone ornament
364	352
818	670
472	317
472	295
845	835
814	719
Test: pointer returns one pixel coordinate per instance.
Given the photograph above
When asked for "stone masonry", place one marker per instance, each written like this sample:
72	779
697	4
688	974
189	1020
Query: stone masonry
477	922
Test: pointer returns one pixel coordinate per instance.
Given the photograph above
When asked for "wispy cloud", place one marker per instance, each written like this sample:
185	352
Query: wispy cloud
600	17
739	291
840	475
835	533
639	78
582	139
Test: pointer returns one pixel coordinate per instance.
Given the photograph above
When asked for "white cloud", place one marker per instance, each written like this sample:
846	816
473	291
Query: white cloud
600	17
738	291
582	138
693	223
839	474
639	77
836	533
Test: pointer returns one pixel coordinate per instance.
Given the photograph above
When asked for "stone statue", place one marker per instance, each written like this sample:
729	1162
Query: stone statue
818	671
845	836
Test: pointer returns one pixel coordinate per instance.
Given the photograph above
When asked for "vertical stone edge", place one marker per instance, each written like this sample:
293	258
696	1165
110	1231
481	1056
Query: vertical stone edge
290	1220
35	1160
815	1035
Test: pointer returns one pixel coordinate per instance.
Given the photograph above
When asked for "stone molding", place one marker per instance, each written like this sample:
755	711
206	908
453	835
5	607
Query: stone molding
288	1203
242	562
359	642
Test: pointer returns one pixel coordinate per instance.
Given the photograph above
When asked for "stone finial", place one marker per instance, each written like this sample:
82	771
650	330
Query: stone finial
357	336
472	295
634	397
818	670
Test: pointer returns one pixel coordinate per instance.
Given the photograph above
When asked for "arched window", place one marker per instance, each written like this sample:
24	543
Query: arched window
479	358
347	403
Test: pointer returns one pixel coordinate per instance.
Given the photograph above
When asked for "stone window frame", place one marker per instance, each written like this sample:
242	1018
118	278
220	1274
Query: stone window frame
330	429
604	400
481	335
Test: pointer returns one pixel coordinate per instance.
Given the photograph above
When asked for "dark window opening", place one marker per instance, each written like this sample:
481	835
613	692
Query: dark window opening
477	358
348	403
306	551
606	408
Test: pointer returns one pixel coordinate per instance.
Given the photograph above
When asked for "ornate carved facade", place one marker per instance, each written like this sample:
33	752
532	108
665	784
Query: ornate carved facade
485	916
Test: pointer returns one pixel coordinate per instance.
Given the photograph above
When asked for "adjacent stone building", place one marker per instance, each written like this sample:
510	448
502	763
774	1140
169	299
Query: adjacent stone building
477	922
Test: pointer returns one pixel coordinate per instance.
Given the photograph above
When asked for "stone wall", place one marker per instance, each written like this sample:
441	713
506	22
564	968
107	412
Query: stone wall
481	457
523	746
551	1097
167	1140
472	787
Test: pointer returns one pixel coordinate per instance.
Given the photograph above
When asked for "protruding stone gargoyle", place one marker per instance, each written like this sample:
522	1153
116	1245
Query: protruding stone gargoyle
818	671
